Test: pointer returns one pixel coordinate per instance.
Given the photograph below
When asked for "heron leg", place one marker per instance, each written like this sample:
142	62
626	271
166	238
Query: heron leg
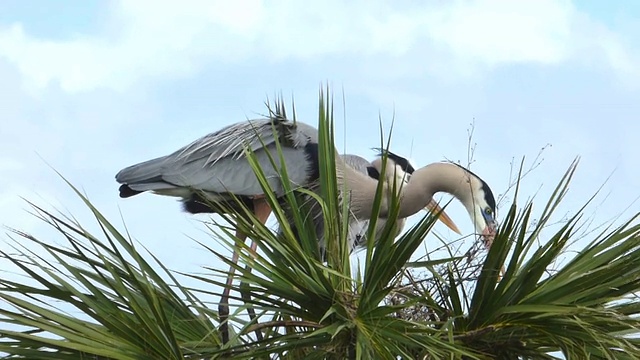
223	306
262	211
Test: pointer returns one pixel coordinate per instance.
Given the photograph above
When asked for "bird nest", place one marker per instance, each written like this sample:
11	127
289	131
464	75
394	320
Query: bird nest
429	289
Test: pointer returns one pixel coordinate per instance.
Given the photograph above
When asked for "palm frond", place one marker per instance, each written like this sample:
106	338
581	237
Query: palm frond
112	303
99	298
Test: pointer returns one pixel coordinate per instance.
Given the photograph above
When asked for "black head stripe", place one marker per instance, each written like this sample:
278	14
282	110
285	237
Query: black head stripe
488	194
373	172
399	160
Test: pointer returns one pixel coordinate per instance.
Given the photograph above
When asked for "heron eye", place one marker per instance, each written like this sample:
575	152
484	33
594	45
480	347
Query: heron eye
488	211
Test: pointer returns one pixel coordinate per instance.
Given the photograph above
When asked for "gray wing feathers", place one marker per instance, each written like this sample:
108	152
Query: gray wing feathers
253	134
142	172
211	162
356	162
228	141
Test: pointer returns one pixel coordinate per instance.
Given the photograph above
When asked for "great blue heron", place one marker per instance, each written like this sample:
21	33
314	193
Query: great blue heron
210	169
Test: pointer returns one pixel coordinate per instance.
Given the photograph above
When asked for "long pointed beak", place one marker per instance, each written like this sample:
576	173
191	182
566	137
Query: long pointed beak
434	208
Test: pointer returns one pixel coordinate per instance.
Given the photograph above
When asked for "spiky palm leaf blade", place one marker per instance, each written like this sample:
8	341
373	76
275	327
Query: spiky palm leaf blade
586	309
113	303
310	309
321	308
502	317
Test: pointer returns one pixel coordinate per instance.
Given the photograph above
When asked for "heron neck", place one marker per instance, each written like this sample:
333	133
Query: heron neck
414	196
431	179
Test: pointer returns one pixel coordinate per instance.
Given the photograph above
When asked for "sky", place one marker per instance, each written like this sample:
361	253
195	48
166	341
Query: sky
91	87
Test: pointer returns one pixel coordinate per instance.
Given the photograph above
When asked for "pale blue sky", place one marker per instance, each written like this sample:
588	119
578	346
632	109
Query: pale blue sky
94	86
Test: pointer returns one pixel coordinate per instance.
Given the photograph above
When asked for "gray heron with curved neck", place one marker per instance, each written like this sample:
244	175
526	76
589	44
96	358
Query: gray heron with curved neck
215	166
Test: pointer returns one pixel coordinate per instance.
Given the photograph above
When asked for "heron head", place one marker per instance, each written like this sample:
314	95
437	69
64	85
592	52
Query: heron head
397	167
481	206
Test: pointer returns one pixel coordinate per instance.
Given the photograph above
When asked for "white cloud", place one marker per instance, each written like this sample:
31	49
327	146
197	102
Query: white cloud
146	39
503	31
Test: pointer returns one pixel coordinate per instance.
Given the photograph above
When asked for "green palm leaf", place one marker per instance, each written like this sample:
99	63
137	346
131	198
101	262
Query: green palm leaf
127	310
99	298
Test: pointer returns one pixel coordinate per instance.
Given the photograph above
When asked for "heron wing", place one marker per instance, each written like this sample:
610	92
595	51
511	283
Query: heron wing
358	163
216	162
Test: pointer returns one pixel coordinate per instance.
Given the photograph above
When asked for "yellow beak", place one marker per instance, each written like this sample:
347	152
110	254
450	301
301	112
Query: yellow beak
434	208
